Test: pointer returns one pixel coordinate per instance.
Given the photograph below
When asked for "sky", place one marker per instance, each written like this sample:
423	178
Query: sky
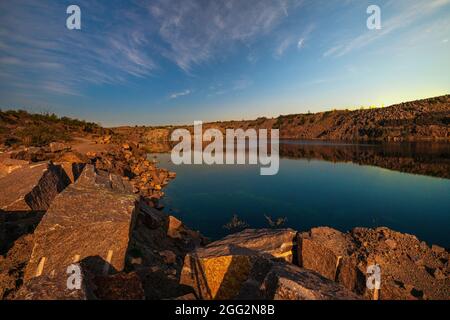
137	62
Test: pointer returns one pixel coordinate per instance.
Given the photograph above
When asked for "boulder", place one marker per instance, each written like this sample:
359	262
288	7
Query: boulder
32	188
289	282
238	265
90	221
55	147
277	243
328	252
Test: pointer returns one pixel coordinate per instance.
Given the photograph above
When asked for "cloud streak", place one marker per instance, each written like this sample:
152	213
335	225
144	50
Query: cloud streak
409	13
188	33
177	95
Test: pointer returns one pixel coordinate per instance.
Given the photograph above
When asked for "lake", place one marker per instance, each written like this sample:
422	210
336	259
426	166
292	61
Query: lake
405	187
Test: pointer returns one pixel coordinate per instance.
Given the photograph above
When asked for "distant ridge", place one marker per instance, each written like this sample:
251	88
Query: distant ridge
421	120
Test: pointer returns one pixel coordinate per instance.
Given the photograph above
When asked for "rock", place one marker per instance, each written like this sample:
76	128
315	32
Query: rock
326	251
238	266
137	261
12	266
391	243
32	188
9	165
220	270
278	243
122	286
152	218
437	249
33	154
89	222
55	147
175	228
51	287
218	273
289	282
169	256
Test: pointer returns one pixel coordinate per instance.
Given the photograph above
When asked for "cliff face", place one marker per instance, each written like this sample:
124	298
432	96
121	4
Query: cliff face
422	120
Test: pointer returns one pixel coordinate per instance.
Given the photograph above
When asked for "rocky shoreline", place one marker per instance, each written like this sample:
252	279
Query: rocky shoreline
100	210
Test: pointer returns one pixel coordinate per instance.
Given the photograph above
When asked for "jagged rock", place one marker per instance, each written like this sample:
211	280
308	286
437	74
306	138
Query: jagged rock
175	228
219	270
32	188
90	222
278	243
327	251
289	282
152	218
239	265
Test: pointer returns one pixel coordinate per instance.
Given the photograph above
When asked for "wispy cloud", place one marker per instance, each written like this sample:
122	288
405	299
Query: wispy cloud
176	95
194	32
410	12
292	40
188	33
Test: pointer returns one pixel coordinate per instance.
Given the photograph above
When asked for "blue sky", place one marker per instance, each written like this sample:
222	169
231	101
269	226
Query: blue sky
168	61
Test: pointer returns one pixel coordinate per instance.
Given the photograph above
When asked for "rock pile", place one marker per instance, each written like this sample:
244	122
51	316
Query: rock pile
409	268
130	161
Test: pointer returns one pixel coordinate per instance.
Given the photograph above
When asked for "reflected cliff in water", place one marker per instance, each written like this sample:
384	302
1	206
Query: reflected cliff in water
423	158
429	159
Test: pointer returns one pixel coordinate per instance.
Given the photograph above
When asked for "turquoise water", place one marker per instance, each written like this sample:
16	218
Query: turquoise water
310	193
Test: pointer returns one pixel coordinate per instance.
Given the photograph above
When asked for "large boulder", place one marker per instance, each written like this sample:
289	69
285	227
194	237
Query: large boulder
328	252
32	188
278	243
89	222
239	265
289	282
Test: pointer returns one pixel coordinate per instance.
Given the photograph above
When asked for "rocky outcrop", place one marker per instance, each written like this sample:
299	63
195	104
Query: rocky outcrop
130	161
25	195
249	265
409	268
90	221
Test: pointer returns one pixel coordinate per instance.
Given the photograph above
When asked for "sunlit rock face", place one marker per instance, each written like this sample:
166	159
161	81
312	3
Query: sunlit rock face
89	223
32	187
254	264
